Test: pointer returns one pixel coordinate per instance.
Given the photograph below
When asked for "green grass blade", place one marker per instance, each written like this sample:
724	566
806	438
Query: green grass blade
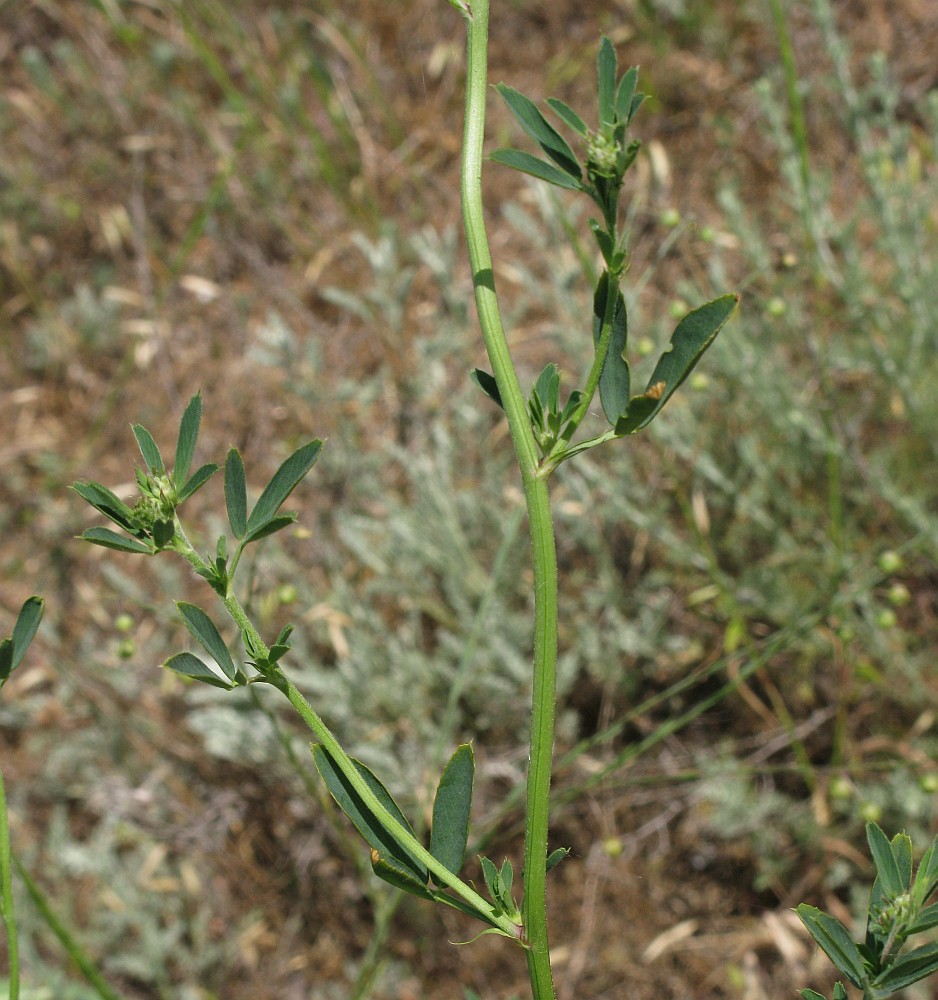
66	938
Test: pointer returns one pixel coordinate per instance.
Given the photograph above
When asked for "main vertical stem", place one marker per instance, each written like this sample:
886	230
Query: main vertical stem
534	907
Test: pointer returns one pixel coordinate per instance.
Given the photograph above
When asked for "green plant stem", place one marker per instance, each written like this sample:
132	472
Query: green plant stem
276	678
534	911
6	896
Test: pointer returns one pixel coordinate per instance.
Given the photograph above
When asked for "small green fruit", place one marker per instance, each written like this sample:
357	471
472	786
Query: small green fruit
123	623
287	594
670	217
612	846
899	595
776	306
890	562
886	619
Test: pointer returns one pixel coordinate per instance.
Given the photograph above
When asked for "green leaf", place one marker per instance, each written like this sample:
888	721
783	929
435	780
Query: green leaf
835	941
693	335
637	101
926	878
278	650
488	385
196	481
492	882
236	495
112	540
887	867
27	622
284	482
555	857
840	991
188	435
625	93
568	116
192	667
163	532
367	824
541	131
400	878
637	414
811	995
615	378
151	454
269	528
606	67
107	503
451	807
926	919
528	164
203	630
907	969
547	388
6	660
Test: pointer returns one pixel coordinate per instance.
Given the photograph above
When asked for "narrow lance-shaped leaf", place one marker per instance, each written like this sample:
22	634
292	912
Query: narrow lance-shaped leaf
192	667
568	116
367	824
112	540
887	868
151	453
400	878
926	919
692	336
541	131
907	969
606	67
835	941
275	524
926	878
488	385
14	648
625	93
284	481
203	630
236	497
451	807
107	503
185	443
615	378
528	164
196	481
25	627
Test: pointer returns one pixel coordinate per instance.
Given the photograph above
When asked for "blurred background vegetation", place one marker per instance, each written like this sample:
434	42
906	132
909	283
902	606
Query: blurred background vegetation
260	200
